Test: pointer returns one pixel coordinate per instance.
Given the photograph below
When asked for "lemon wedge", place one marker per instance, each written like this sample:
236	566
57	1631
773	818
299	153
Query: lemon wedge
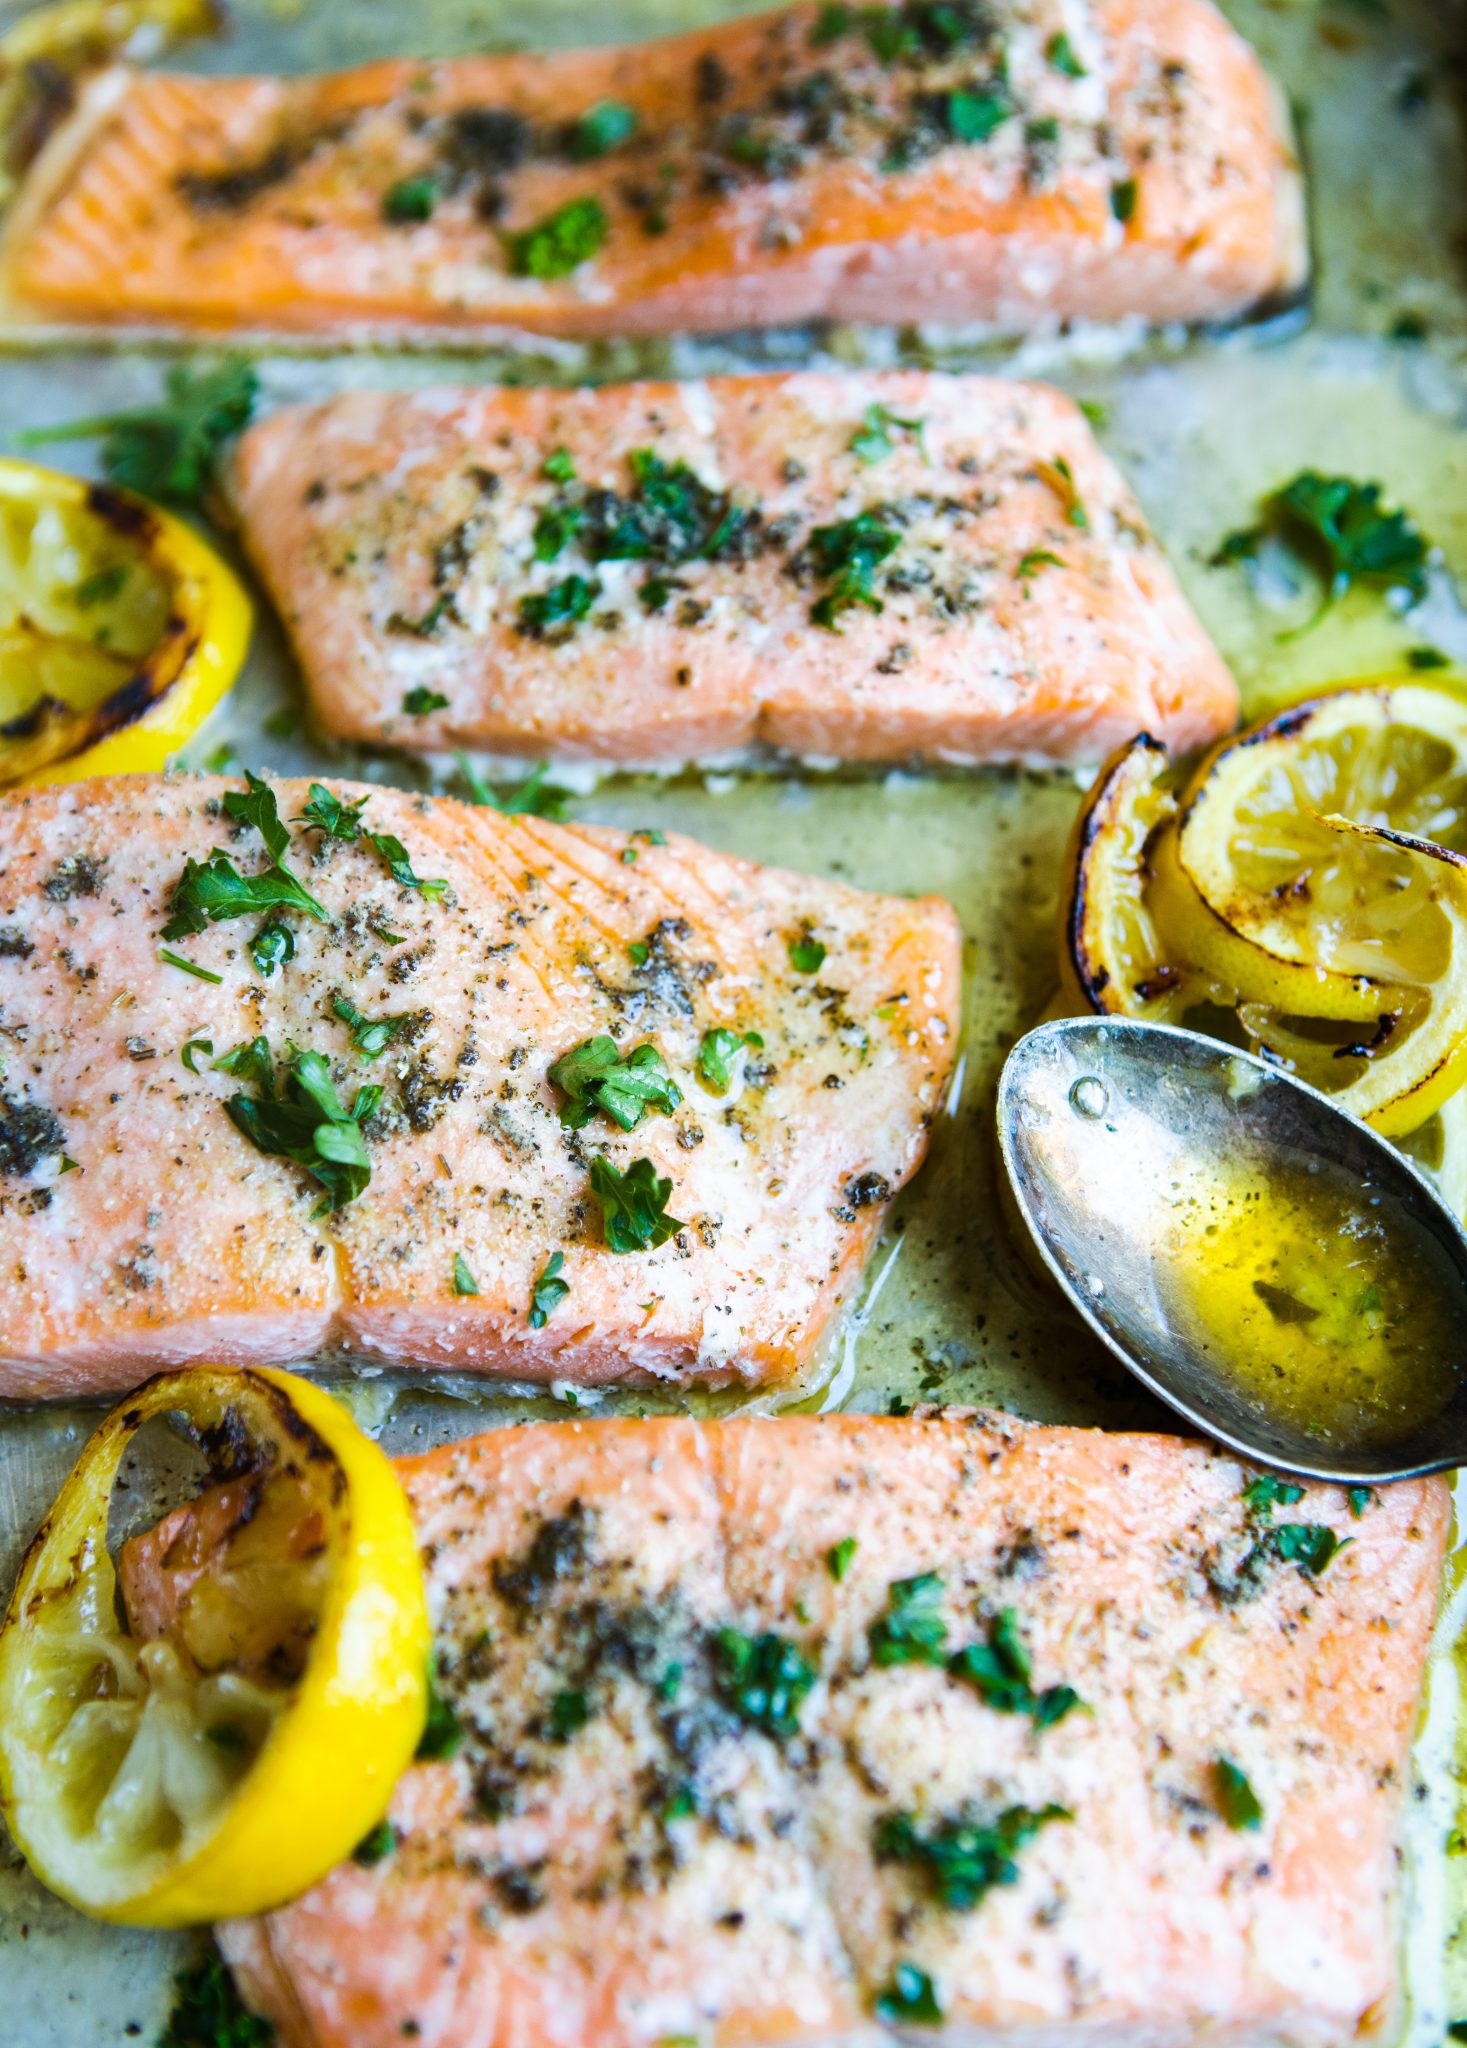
120	629
214	1740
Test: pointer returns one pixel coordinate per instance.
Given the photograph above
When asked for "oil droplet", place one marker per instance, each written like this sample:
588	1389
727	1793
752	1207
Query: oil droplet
1088	1096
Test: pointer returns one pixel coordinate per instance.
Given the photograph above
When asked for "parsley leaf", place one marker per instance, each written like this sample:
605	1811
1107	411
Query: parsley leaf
272	946
807	954
535	797
464	1282
1002	1674
1237	1802
873	442
764	1678
442	1731
1264	1492
378	1843
963	1860
974	116
167	450
326	811
189	1052
1343	528
1123	199
560	466
256	806
910	1999
189	966
251	1061
303	1120
595	1075
1361	1498
633	1205
847	555
838	1557
548	1292
717	1050
912	1631
212	890
410	200
394	857
1310	1545
556	611
601	128
569	1713
418	702
209	2013
371	1036
1059	52
561	242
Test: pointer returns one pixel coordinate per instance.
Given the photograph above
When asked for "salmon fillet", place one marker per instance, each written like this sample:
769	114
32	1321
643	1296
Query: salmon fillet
1015	162
774	1049
740	1762
872	568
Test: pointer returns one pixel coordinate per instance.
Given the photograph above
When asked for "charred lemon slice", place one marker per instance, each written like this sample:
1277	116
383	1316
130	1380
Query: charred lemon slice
205	1727
119	629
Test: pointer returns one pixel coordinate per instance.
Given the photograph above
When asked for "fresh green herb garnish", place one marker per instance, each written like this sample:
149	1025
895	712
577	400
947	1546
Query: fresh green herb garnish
912	1631
601	128
1059	52
1427	657
535	797
442	1731
559	466
1343	528
210	891
1310	1545
1237	1802
563	606
300	1117
633	1205
256	806
371	1036
1360	1498
101	586
1002	1673
596	1075
1036	559
963	1860
1264	1493
873	439
217	760
394	857
764	1678
167	450
846	555
1069	490
427	623
548	1292
556	526
188	966
189	1052
1123	200
569	1713
209	2013
377	1843
272	946
464	1282
418	702
326	811
910	1999
973	116
280	725
251	1061
639	952
717	1050
410	200
838	1557
561	242
807	954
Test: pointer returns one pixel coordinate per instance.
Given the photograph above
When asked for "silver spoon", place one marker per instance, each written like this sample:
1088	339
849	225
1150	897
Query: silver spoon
1109	1127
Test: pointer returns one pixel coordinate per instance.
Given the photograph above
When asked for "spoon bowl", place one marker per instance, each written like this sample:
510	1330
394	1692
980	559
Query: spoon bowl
1164	1176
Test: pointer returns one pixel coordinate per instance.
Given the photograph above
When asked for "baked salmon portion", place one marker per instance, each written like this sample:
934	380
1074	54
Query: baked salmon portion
1014	162
874	568
317	1070
808	1730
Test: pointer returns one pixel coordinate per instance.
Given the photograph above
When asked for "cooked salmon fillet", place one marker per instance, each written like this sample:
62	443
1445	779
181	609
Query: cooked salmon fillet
753	1062
740	1761
1015	162
874	568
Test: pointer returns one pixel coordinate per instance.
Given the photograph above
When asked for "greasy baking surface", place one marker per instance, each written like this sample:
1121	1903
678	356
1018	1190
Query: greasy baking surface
1200	433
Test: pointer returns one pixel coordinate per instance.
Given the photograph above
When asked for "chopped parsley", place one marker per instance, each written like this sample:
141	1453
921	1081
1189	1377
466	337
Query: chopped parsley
272	946
299	1116
442	1733
1237	1802
764	1678
846	555
873	440
545	614
561	242
910	1999
1361	1498
912	1631
548	1292
1069	491
394	857
326	811
1310	1545
807	954
209	2013
633	1205
536	797
569	1713
410	200
1264	1492
418	702
167	450
1059	53
963	1860
595	1075
974	116
1427	657
716	1052
255	805
464	1282
1345	530
371	1036
101	586
251	1061
212	890
378	1843
602	128
427	623
559	465
1123	200
1036	559
189	1052
189	966
838	1557
1002	1674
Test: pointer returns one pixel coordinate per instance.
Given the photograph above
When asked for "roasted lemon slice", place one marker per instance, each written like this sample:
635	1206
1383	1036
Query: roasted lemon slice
208	1737
119	629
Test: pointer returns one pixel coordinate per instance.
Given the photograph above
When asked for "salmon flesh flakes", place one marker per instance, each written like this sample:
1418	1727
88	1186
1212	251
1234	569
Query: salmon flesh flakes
684	1798
317	1068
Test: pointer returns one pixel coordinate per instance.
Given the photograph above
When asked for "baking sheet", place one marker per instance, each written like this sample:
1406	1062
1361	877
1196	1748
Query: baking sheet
1202	426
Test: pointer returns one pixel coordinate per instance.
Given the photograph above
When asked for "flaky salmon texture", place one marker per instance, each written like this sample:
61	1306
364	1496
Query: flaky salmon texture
809	1730
1013	162
894	567
265	1108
